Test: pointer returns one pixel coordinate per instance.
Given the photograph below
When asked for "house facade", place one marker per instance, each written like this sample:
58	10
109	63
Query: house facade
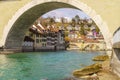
47	38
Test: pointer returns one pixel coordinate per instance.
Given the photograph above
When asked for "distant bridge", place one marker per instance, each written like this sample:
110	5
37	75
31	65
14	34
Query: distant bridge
94	46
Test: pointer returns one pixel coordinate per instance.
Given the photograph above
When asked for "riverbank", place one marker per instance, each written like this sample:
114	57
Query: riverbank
104	74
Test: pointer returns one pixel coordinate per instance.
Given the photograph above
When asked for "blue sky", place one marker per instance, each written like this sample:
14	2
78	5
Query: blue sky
65	12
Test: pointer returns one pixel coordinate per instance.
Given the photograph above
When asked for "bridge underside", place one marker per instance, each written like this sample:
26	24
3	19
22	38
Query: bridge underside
116	45
18	30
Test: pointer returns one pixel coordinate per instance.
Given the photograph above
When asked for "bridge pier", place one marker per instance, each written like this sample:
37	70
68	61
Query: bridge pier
12	46
115	61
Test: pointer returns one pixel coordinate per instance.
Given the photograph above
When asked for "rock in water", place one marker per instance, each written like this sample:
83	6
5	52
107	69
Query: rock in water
101	58
94	68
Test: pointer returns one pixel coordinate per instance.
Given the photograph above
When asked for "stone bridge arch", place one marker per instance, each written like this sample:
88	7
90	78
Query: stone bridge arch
115	61
14	32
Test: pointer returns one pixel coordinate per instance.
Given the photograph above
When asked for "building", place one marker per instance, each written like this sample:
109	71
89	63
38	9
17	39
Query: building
48	38
73	35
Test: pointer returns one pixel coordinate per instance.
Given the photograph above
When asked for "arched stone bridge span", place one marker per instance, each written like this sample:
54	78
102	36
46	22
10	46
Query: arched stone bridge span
91	46
22	13
115	62
17	15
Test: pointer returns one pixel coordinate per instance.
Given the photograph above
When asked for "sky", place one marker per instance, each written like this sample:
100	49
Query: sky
65	12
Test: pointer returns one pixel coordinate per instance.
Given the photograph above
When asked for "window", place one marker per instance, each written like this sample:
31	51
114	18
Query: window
37	40
40	40
37	35
45	45
42	44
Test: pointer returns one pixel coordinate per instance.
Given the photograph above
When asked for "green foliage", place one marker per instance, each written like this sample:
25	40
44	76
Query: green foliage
82	32
66	33
62	20
97	30
52	21
73	22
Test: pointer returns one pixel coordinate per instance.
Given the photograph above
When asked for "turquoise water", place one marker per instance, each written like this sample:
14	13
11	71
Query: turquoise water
43	65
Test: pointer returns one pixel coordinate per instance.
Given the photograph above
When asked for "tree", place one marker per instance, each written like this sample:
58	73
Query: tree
82	32
66	33
52	21
67	39
77	19
73	22
62	20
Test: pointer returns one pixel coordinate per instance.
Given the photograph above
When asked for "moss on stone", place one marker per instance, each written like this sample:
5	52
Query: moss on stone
94	68
101	58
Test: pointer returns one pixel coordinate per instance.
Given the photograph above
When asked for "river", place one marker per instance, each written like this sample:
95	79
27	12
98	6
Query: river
43	65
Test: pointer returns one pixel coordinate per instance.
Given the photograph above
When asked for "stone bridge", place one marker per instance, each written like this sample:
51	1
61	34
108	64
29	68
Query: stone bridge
115	62
17	15
101	46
